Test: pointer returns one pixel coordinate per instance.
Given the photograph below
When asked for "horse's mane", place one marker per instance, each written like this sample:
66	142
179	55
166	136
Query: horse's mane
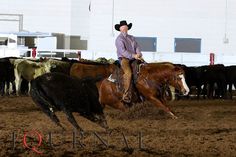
159	65
161	68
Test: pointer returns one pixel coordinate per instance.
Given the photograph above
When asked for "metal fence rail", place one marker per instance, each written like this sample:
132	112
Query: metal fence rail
189	59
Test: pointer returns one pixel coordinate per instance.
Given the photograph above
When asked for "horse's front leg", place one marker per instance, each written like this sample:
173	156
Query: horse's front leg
150	93
159	103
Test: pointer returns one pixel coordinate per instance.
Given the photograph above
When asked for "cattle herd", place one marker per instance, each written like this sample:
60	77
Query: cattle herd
211	81
54	87
57	85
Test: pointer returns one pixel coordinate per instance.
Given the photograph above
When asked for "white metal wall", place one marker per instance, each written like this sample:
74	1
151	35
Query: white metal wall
209	20
44	15
166	20
80	18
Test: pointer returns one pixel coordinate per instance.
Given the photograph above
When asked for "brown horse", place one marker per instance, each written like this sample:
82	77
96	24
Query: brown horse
151	81
95	70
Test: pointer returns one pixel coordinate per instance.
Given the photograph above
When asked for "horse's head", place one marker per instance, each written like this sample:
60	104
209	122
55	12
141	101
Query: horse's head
178	81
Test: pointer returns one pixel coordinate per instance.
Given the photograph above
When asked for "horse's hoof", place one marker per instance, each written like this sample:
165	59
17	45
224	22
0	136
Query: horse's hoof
172	115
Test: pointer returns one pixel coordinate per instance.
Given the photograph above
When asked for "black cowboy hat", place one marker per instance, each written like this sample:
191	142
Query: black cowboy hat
122	23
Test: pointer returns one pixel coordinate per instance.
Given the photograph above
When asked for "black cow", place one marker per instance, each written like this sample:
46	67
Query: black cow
6	74
60	66
59	92
192	78
200	80
231	78
215	82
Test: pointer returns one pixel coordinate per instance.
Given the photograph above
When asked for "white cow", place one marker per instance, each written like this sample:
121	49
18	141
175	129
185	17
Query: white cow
28	70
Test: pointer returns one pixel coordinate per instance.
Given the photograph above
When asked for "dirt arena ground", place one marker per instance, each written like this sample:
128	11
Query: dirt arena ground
203	128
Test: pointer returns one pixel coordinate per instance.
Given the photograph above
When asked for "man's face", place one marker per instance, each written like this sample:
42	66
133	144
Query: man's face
124	28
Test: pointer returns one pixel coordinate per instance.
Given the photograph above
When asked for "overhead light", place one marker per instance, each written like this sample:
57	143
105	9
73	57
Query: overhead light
225	39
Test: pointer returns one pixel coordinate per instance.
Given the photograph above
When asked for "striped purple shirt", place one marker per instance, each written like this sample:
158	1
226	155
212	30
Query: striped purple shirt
127	46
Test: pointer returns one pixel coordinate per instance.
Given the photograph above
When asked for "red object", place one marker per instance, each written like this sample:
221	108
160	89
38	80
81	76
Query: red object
34	147
212	58
33	52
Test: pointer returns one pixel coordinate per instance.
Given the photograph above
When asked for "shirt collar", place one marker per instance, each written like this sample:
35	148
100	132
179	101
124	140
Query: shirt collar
124	34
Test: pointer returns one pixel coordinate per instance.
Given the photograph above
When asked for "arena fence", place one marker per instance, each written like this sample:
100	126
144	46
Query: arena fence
189	59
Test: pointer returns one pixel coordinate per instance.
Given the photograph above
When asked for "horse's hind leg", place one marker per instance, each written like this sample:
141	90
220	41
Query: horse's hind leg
119	105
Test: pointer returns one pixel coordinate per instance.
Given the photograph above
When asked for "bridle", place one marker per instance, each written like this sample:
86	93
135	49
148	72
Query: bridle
176	80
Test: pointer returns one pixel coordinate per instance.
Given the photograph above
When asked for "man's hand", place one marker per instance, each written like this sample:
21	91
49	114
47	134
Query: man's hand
137	56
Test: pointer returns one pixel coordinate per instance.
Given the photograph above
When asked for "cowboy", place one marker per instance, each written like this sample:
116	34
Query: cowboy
127	51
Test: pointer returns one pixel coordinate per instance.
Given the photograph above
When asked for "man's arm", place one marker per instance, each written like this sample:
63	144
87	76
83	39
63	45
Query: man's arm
137	48
138	51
